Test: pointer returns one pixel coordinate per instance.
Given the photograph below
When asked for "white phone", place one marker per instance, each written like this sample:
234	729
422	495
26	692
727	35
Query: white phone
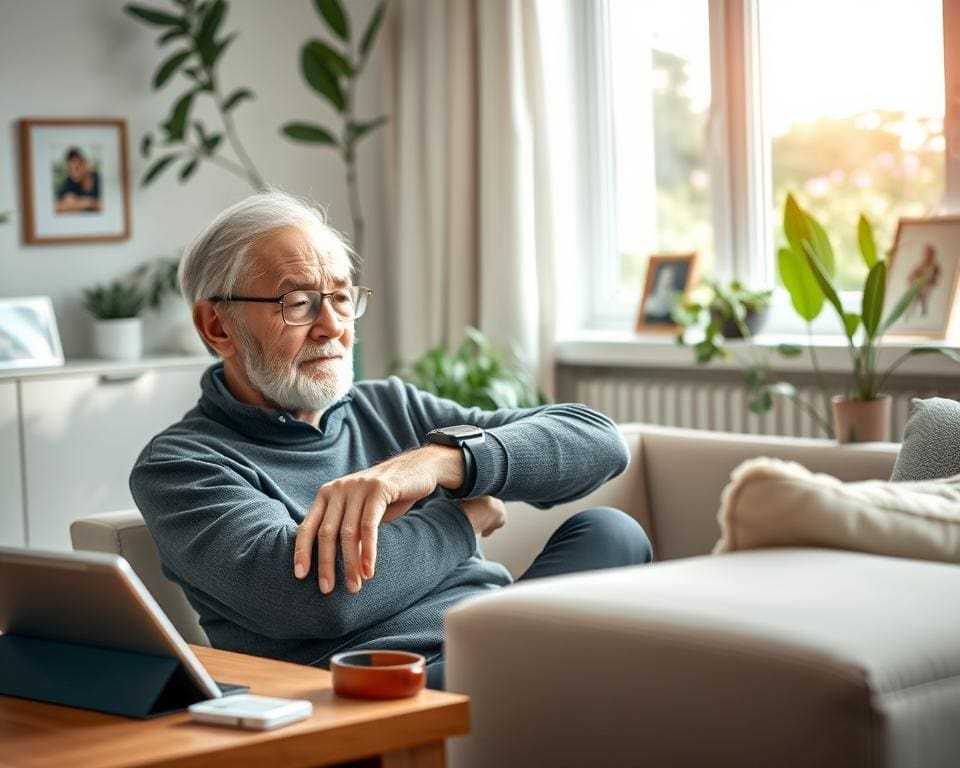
245	710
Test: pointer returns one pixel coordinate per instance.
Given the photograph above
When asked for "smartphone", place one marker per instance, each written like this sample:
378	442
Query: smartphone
258	713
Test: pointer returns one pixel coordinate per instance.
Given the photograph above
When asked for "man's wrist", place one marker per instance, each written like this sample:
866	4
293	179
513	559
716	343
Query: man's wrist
447	464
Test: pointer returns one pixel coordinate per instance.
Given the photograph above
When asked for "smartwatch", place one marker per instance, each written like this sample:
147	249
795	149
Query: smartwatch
464	437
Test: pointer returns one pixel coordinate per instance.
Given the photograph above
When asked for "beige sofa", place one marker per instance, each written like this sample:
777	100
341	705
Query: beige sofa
789	657
768	658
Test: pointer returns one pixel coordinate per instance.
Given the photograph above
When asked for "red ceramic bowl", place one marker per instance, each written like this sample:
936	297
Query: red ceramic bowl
378	674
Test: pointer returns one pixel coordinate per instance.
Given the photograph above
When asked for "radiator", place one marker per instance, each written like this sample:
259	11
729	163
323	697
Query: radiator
717	405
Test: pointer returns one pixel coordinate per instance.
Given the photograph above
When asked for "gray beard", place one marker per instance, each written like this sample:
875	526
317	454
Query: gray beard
281	382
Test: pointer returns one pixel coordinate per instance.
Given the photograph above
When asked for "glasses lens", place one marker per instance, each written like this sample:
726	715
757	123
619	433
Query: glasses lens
303	307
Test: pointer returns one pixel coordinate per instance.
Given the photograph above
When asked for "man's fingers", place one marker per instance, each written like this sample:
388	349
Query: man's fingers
350	541
306	533
373	511
327	536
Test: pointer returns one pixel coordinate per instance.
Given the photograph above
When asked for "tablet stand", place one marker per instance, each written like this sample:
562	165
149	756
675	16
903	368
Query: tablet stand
103	679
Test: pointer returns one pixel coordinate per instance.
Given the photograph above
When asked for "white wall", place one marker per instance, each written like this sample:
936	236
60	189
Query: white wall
87	58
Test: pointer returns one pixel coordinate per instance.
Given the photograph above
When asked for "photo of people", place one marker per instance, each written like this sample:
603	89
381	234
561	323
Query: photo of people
667	278
928	250
28	333
77	182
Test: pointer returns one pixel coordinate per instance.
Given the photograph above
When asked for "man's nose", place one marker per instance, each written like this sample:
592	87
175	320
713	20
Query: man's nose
328	325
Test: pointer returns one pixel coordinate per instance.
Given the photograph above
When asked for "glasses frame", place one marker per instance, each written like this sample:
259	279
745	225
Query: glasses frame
360	289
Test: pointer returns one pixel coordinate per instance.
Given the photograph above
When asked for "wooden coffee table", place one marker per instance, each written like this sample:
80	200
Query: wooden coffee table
403	732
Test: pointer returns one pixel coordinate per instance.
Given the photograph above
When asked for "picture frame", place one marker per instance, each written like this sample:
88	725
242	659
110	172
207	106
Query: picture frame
74	179
29	337
667	276
924	244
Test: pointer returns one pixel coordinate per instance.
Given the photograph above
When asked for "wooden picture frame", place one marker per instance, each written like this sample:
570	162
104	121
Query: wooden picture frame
928	243
74	180
29	337
667	276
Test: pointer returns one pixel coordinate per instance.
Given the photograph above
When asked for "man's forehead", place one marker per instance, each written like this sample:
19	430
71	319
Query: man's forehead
296	256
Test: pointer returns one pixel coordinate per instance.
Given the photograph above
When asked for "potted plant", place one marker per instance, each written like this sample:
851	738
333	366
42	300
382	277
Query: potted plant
117	332
732	311
806	266
476	374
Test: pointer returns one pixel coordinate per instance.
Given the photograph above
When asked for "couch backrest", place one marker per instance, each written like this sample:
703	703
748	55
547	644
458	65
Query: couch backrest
673	485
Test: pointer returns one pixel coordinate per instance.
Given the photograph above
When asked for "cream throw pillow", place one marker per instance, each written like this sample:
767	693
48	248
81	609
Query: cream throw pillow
773	503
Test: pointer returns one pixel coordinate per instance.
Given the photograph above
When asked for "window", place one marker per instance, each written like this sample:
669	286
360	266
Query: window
839	102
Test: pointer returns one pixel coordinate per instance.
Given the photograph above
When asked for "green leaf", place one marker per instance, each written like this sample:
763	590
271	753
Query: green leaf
146	144
761	402
868	246
851	321
309	132
820	243
155	17
170	34
823	280
789	350
236	97
187	170
167	69
805	293
794	225
332	13
332	60
357	130
873	296
178	116
219	48
373	26
211	22
157	168
320	78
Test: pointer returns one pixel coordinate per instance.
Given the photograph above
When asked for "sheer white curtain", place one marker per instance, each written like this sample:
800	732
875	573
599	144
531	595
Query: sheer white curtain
474	203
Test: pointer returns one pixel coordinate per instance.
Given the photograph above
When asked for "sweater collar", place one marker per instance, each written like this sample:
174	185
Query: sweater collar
263	424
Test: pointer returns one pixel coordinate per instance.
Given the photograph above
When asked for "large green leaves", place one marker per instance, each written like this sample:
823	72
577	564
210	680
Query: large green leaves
332	12
805	293
873	296
850	319
166	70
868	246
320	75
370	35
309	132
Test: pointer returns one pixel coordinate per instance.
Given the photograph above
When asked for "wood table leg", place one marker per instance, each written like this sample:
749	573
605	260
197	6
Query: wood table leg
432	755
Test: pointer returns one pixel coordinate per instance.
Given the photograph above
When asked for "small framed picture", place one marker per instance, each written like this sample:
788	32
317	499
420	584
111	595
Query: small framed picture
668	276
28	333
926	246
74	176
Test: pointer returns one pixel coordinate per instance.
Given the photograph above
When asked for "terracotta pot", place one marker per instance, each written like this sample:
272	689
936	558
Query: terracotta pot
862	421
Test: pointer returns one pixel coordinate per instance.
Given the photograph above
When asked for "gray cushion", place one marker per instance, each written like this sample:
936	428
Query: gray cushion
931	441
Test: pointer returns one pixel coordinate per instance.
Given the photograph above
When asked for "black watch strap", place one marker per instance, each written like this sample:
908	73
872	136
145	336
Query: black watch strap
464	437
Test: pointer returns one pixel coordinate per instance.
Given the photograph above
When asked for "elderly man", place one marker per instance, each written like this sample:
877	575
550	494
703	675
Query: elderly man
303	514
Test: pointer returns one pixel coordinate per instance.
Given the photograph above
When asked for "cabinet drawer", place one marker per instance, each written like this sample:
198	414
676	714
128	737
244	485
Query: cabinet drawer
11	503
82	434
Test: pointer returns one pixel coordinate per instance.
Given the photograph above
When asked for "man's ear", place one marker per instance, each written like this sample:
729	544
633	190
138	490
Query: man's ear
209	322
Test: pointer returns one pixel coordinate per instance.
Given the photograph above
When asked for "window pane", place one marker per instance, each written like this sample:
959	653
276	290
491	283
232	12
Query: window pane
852	110
660	75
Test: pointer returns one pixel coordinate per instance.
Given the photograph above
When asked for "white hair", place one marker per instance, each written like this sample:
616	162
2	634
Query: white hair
214	263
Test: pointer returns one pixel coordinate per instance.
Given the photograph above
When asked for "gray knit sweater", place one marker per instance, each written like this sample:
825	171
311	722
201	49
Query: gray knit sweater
224	489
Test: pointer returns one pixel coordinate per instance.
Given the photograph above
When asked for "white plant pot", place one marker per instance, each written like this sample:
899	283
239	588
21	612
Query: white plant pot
120	339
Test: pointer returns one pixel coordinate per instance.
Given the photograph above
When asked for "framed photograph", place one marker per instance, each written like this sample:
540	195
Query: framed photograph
74	177
668	275
28	333
926	245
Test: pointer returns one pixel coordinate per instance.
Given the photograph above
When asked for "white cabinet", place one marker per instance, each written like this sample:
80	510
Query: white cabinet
80	433
11	501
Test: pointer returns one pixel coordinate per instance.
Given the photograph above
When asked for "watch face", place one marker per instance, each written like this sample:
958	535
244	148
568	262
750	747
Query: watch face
462	431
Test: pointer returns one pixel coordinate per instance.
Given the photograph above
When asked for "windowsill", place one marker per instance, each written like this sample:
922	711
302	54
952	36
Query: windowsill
621	349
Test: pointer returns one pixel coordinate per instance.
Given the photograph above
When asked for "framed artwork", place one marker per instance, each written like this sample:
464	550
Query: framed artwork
926	246
74	177
28	333
668	276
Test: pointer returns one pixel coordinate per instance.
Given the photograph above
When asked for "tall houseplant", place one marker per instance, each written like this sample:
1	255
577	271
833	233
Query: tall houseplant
332	71
806	266
192	28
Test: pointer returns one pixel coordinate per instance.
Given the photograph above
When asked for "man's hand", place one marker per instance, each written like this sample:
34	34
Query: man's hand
350	509
485	514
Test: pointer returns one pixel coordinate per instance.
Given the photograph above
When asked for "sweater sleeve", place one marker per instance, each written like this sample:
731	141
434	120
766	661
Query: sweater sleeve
543	456
234	545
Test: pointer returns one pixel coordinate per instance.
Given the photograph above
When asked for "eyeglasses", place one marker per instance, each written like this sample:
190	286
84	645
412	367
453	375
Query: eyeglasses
303	307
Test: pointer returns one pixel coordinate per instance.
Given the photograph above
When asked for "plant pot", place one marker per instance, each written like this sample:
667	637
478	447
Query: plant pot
120	339
754	320
862	421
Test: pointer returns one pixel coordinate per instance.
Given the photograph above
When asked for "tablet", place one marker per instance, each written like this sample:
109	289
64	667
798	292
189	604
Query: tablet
92	599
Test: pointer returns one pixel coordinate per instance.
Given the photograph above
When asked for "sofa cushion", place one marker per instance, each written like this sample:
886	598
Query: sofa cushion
771	503
931	441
